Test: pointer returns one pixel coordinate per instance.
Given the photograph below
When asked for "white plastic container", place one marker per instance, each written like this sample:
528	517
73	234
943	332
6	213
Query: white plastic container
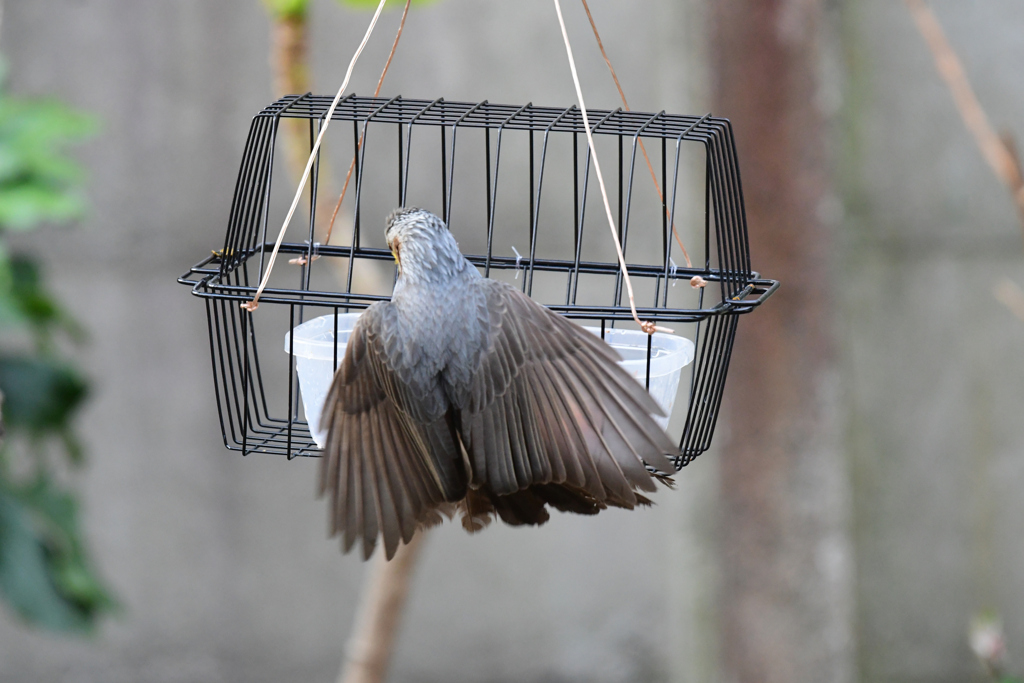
314	362
670	353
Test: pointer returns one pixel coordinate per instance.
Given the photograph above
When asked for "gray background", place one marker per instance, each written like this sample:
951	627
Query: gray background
222	563
932	365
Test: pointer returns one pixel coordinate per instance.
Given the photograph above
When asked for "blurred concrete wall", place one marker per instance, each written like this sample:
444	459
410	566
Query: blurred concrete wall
934	365
222	563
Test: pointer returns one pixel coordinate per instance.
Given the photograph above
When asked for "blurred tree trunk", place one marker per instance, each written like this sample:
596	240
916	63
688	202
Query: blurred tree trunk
381	607
289	63
289	66
786	580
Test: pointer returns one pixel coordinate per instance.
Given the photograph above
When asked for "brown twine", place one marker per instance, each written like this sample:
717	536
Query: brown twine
254	304
695	281
380	82
645	325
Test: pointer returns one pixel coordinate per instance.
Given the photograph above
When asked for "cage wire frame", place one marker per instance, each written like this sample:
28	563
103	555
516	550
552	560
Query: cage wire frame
228	277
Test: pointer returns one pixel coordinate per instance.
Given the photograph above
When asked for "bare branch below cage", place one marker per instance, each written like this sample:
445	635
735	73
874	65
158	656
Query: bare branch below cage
373	636
998	152
1010	295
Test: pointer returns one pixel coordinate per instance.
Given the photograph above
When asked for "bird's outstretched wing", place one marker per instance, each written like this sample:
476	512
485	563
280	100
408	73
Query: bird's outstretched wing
377	462
544	412
549	416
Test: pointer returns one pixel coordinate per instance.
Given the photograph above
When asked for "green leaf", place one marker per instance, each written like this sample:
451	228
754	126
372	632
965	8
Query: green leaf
372	4
27	290
26	205
40	394
25	580
37	178
11	316
72	446
35	305
287	9
56	515
44	572
45	575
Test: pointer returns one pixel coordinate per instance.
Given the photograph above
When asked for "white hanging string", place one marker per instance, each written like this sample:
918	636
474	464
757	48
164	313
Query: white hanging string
647	326
254	304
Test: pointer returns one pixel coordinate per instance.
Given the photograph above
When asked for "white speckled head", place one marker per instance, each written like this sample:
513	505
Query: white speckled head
422	245
411	222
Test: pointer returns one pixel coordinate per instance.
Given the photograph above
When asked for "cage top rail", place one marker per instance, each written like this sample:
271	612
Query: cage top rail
484	114
206	282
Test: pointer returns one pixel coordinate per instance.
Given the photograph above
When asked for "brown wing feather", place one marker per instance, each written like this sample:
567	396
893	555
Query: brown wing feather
547	418
550	410
376	467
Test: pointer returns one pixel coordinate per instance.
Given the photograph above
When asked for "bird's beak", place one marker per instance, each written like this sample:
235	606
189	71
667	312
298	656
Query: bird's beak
395	250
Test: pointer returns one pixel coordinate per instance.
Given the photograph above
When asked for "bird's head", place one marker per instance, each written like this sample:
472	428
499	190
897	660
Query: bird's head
421	244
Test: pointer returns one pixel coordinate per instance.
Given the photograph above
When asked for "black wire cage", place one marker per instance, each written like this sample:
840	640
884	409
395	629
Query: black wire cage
524	172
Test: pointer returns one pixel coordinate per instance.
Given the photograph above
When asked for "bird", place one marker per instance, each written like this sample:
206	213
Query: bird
463	394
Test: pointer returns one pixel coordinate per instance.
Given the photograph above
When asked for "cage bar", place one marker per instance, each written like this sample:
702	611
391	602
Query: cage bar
252	415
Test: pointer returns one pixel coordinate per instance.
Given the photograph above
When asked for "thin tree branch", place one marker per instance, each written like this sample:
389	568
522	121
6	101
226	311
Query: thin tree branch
1011	296
373	635
999	155
289	66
